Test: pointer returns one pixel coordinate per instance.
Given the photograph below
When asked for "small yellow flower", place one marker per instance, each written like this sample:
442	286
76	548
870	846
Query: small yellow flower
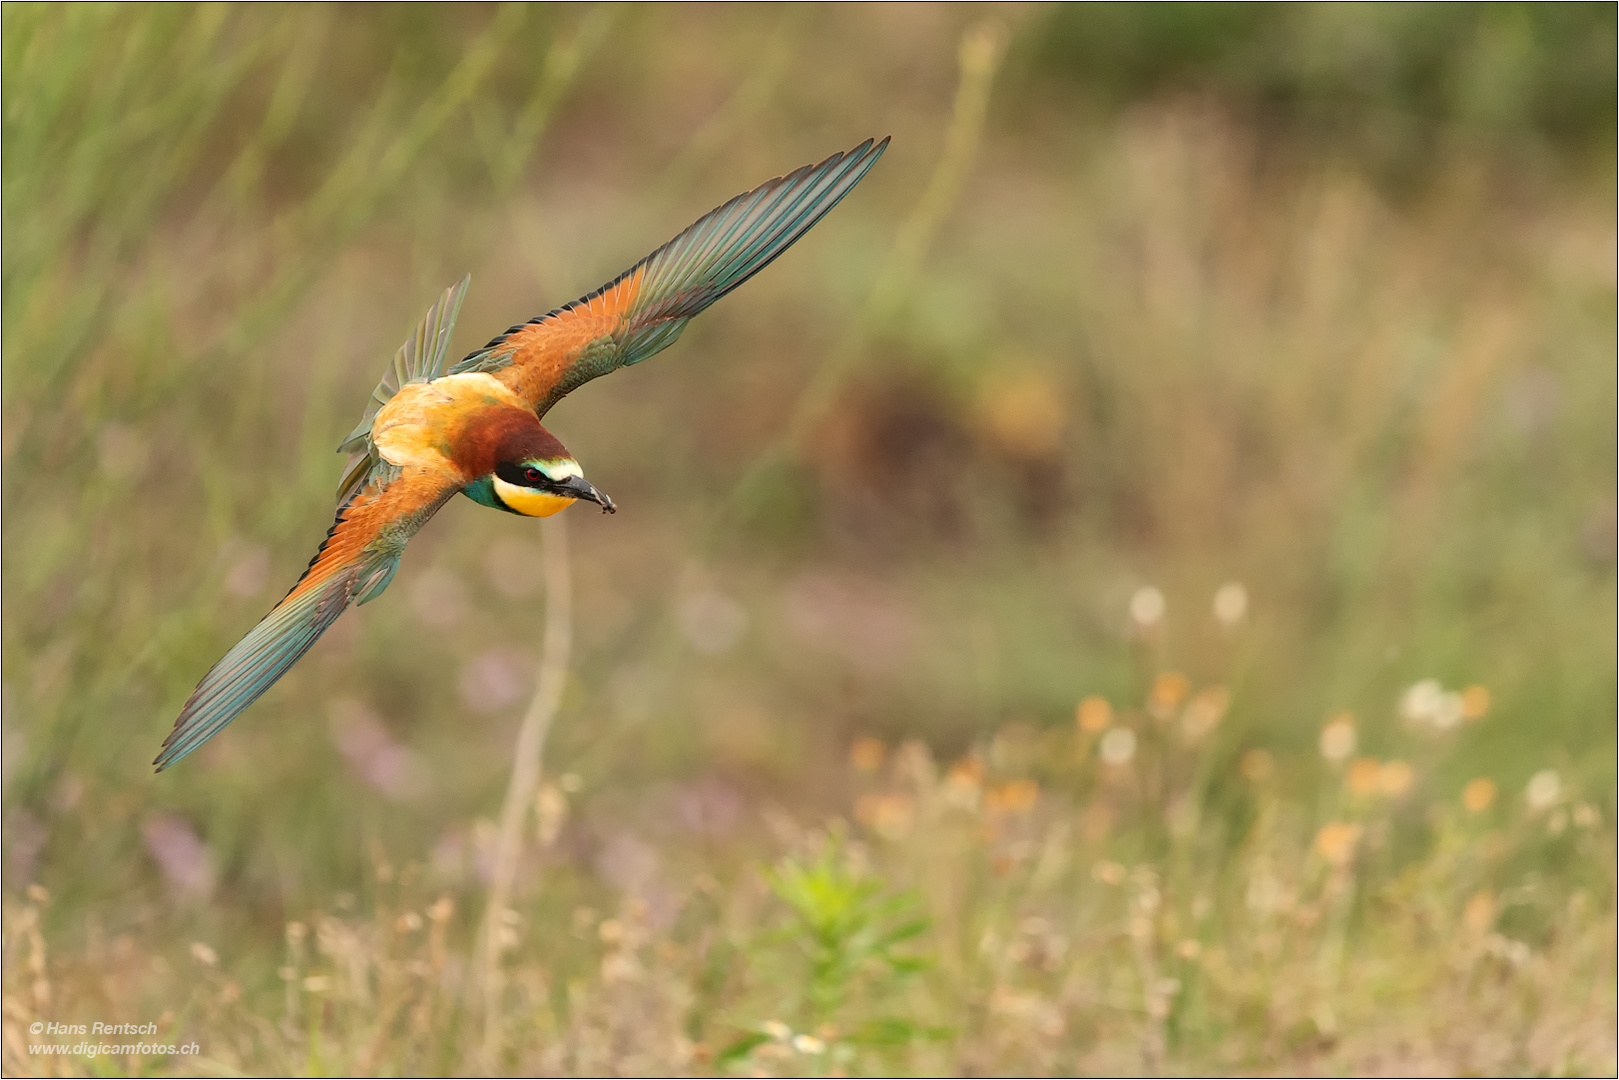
1479	914
1169	689
1475	702
1108	873
963	782
1394	778
1206	709
867	754
894	817
1478	794
1364	775
204	954
967	771
1336	842
889	816
1019	796
1014	799
1094	715
1024	415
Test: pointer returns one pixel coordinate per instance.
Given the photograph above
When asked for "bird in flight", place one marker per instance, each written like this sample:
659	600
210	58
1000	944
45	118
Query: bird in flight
475	429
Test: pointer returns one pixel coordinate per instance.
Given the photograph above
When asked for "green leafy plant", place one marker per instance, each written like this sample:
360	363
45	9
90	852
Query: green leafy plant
841	952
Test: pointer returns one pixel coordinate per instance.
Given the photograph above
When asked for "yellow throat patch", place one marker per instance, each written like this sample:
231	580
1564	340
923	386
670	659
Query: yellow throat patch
529	501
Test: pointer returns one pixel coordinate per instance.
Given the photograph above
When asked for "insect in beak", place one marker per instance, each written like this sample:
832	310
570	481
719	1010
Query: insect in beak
580	488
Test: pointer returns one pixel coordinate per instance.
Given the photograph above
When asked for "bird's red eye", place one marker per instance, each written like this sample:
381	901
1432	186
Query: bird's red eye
531	474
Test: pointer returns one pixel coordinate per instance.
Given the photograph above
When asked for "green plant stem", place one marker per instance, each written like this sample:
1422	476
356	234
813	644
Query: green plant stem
527	756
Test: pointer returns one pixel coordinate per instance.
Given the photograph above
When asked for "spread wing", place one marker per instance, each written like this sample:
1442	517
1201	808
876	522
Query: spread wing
353	565
419	359
644	309
380	507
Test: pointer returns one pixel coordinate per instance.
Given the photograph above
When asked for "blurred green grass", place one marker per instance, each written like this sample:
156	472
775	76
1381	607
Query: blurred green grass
1315	299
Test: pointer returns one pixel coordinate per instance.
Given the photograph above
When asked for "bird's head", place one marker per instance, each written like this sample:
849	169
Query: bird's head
526	470
539	487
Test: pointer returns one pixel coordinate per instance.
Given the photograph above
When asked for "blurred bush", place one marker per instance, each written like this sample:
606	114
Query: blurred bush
1381	83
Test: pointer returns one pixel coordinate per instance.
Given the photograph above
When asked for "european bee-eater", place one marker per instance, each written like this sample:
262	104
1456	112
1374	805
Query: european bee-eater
475	429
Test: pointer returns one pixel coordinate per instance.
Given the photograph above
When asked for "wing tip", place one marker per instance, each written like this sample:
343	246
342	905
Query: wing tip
169	755
860	159
866	152
181	739
872	147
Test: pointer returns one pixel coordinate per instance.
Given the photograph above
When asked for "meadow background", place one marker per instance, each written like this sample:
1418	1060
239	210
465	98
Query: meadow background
1132	591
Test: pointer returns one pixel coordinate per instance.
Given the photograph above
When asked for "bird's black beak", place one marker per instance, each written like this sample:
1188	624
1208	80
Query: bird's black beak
580	488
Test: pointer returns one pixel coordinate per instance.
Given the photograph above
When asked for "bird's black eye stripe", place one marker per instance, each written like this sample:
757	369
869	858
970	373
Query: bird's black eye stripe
522	475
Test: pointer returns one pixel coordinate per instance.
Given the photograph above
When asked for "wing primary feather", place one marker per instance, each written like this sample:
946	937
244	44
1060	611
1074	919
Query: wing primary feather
354	563
710	258
755	219
436	329
810	206
743	237
692	253
419	359
250	668
816	201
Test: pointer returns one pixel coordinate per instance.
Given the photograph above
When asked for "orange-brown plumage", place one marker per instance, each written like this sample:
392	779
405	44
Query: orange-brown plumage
499	433
363	526
543	352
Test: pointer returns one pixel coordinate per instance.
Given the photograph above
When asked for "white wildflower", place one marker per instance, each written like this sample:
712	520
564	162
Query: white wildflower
1230	603
1147	606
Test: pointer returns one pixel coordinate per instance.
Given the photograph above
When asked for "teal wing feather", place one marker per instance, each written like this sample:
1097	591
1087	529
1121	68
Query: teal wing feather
419	359
730	244
257	661
353	565
650	304
378	511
